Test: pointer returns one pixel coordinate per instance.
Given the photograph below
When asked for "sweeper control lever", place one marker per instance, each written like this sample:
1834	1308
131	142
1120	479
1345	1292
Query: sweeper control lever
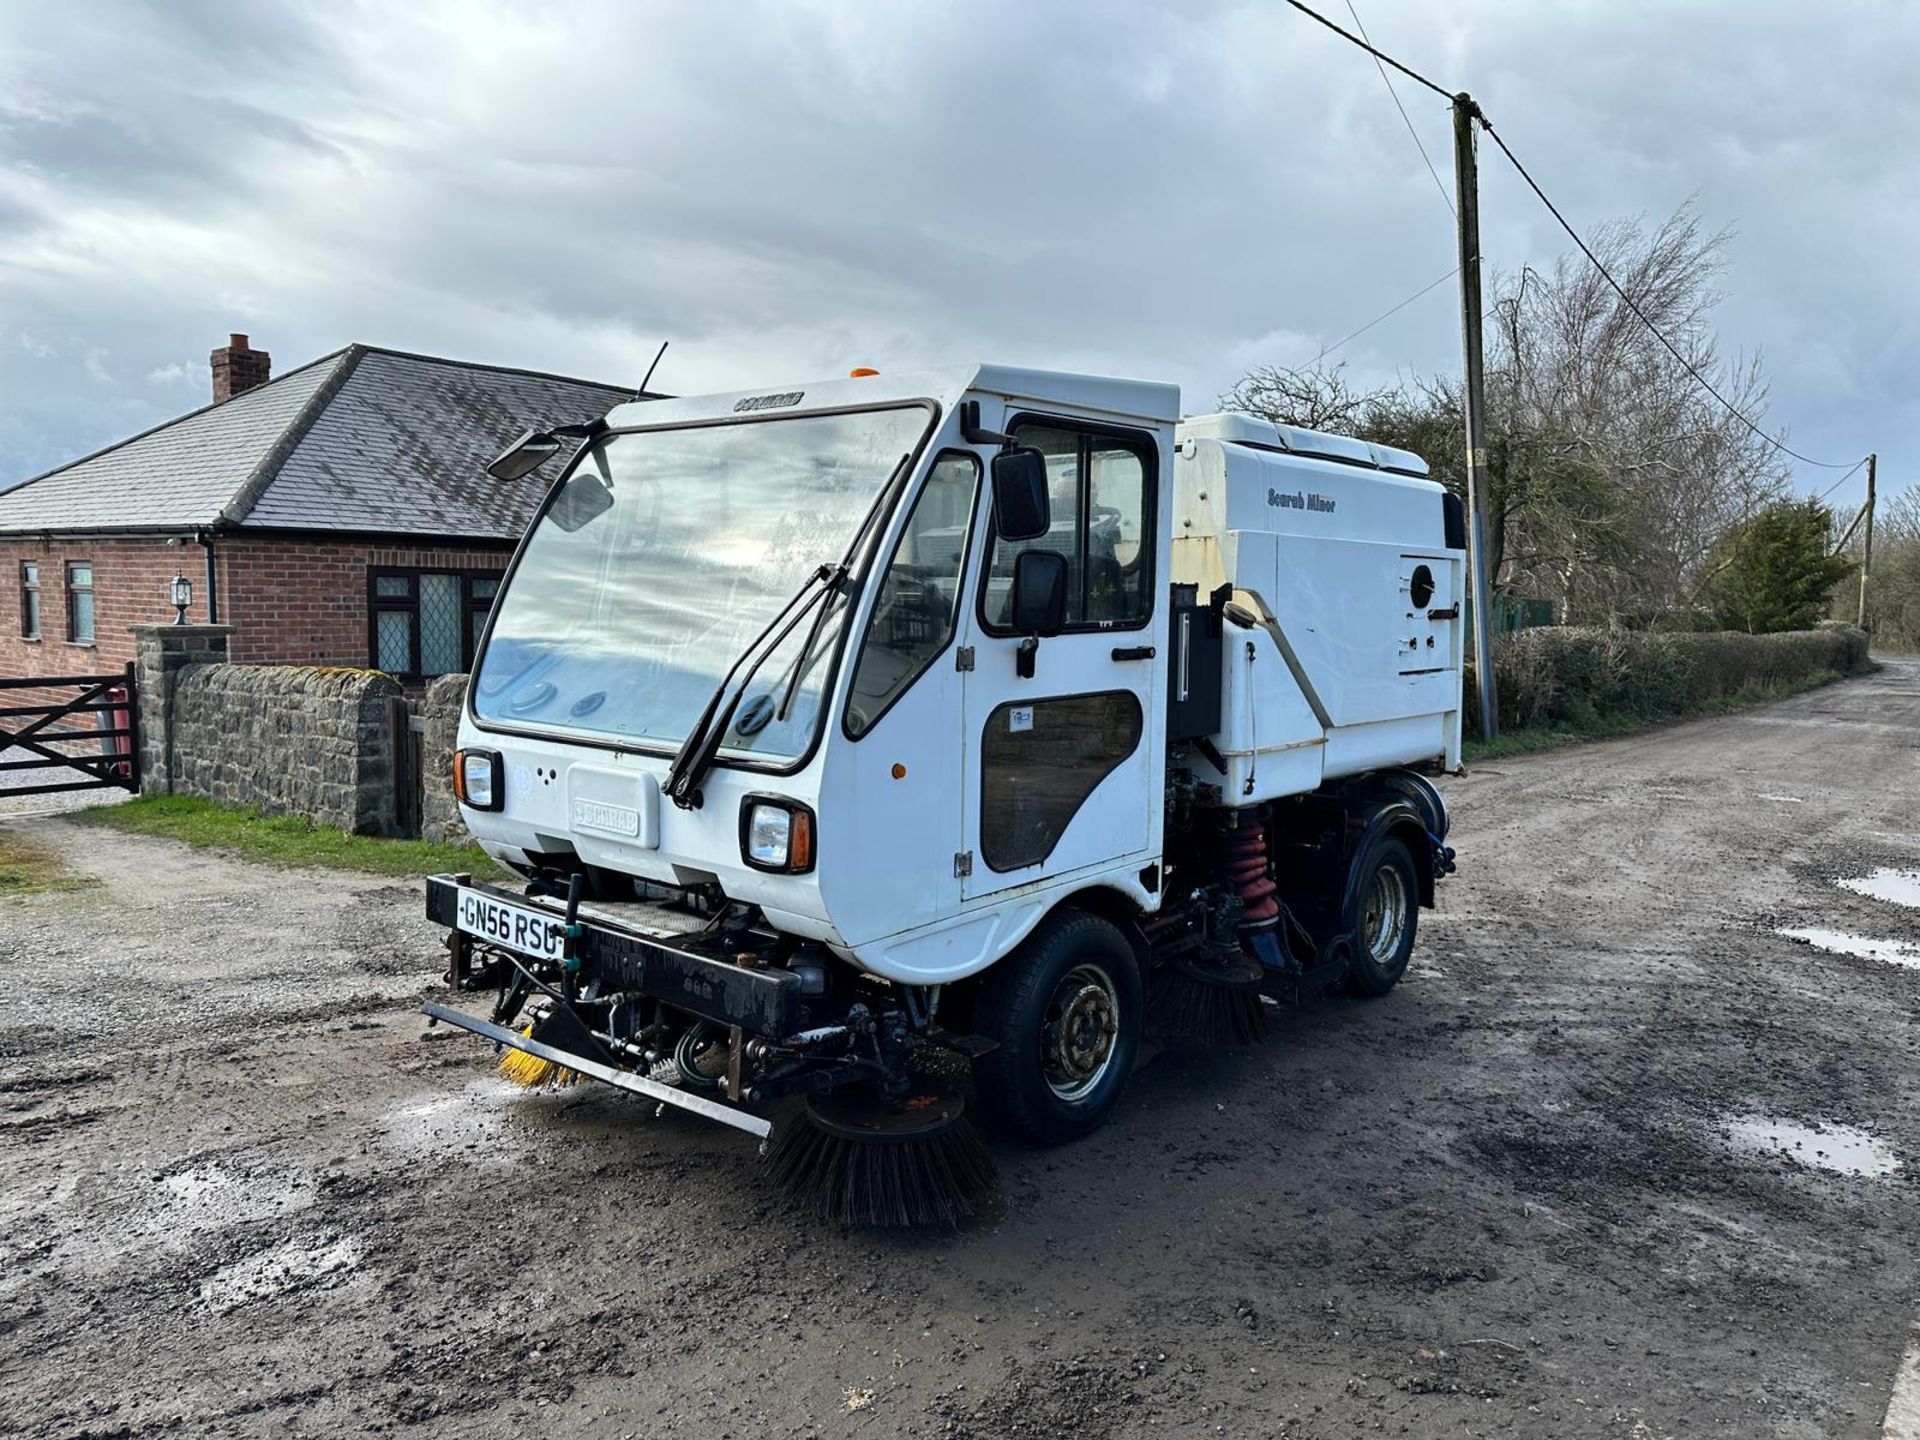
882	754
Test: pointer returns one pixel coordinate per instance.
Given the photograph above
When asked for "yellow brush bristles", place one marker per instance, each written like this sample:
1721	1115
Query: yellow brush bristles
530	1070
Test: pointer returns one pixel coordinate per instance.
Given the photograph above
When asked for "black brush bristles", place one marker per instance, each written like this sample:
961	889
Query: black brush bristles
1194	1005
936	1178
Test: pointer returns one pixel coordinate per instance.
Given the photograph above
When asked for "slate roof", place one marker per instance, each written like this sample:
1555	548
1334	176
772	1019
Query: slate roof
364	439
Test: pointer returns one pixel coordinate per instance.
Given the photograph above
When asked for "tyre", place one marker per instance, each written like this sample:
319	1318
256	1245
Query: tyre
1382	917
1065	1012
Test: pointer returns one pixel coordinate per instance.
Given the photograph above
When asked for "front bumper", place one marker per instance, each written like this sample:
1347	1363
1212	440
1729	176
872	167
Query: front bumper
639	1084
622	957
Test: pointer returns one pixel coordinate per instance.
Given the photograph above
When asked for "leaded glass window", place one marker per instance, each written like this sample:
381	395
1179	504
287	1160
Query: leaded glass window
428	622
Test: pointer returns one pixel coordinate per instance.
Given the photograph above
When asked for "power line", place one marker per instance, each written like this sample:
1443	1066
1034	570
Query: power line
1554	210
1641	315
1405	70
1841	481
1378	318
1438	183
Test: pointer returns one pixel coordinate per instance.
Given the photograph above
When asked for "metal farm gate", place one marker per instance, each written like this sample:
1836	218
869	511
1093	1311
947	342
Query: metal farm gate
69	732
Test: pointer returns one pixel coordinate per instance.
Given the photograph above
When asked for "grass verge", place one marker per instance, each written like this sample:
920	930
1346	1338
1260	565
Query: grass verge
282	839
1610	727
26	869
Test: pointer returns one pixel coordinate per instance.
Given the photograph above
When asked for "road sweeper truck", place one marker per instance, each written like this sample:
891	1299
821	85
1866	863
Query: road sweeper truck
874	750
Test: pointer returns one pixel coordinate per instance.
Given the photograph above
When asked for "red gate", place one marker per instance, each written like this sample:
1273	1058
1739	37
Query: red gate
54	740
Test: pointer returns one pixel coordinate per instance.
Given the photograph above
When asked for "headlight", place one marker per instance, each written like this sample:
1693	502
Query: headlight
776	835
477	779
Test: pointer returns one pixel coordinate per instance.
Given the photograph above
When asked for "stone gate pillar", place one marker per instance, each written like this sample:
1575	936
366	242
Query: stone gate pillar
160	652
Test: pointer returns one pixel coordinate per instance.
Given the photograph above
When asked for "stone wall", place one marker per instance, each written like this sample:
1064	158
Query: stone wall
281	739
440	710
288	740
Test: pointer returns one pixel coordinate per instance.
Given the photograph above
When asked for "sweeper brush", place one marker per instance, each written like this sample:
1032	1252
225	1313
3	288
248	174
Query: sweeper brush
554	1025
532	1071
1210	997
860	1161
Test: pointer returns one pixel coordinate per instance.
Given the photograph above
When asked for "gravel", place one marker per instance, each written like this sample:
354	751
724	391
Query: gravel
248	1195
26	807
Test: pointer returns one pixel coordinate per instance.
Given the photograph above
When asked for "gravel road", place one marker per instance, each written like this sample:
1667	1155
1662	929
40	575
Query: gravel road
1522	1196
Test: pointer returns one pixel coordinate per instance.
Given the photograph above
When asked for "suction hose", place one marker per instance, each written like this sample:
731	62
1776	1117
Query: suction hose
1248	868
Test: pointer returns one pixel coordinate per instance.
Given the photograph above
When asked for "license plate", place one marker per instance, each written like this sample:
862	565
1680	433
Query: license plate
530	932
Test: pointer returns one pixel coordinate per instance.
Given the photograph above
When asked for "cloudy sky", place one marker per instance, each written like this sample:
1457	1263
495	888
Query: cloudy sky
786	190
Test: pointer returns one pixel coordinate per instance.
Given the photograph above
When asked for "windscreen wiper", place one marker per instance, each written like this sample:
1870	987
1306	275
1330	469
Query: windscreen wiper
695	757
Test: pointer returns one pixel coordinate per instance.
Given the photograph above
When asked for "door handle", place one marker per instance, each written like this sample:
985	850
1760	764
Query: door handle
1452	612
1133	652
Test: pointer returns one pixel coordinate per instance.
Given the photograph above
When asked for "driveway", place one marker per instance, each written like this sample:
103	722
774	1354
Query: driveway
14	805
1549	1187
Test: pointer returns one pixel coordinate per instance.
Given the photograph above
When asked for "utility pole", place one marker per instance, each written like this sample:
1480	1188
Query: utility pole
1866	559
1466	179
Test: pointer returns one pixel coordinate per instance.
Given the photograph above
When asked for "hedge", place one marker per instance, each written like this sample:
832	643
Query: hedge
1574	677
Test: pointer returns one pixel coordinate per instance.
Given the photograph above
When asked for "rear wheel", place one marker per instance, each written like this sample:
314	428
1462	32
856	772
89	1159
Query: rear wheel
1065	1011
1382	917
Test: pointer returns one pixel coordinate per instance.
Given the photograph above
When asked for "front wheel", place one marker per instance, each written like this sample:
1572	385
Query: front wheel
1382	917
1065	1012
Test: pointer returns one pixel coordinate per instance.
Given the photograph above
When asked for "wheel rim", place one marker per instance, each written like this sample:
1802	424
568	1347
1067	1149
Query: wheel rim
1082	1031
1384	921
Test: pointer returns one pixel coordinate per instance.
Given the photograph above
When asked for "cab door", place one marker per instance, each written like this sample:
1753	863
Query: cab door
1063	770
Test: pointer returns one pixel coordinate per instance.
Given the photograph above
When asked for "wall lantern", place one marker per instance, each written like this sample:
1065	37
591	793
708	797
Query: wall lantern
181	594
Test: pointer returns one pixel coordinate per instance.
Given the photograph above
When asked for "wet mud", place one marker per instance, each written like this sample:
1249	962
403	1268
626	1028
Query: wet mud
1619	1158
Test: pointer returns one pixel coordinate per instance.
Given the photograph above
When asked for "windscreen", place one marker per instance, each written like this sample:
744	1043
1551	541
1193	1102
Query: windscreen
662	557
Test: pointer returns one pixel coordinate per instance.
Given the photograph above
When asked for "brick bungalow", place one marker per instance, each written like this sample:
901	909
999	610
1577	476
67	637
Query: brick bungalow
338	515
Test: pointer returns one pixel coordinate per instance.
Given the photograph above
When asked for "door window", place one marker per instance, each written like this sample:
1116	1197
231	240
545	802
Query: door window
1116	534
1100	491
918	603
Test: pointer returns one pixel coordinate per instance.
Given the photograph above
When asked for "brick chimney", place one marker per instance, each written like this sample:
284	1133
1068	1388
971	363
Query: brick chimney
237	368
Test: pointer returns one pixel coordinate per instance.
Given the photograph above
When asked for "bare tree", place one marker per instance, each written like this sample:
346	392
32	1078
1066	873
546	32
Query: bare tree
1893	599
1314	397
1623	473
1611	475
1899	518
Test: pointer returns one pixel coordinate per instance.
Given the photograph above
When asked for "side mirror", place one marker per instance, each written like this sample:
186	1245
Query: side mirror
1020	507
583	498
524	456
1039	600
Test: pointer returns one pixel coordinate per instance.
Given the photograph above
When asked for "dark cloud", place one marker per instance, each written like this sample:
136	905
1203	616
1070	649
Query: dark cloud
785	190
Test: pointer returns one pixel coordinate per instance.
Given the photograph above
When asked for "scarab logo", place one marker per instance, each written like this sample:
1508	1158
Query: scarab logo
769	402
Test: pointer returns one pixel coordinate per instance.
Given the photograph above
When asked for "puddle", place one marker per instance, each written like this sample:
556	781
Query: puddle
285	1267
1841	1149
1892	952
1902	887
